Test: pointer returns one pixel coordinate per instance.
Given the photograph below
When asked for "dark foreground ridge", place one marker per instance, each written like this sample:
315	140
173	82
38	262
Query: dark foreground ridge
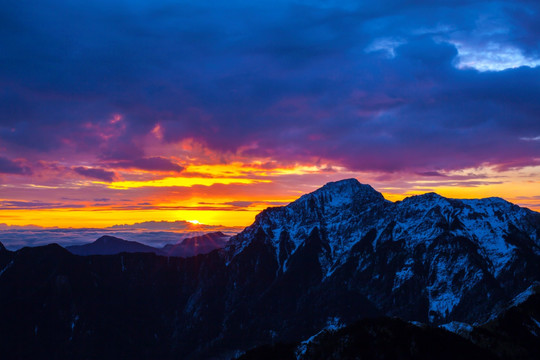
381	338
512	335
339	255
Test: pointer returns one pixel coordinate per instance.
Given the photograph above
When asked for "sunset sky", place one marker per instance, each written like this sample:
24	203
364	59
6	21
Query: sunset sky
121	112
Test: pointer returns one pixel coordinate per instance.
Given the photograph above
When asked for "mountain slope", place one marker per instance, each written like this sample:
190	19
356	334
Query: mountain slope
513	334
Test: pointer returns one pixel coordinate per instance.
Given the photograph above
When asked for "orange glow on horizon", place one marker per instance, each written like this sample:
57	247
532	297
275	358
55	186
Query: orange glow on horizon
232	194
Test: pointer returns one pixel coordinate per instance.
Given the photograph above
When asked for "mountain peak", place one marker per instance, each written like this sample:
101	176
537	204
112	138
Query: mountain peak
344	192
216	234
349	181
347	185
108	245
107	239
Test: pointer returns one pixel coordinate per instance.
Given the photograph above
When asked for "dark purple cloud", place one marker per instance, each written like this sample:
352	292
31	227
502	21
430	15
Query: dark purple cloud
431	174
8	166
149	164
95	173
242	204
372	86
32	205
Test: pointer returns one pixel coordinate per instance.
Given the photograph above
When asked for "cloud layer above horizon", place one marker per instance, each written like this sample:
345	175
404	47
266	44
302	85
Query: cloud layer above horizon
117	94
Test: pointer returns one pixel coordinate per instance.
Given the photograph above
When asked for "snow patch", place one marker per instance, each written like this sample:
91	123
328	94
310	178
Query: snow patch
404	274
6	267
458	328
332	325
443	294
531	329
522	297
537	323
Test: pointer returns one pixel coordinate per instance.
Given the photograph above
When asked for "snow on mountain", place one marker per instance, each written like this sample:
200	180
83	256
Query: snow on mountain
346	210
523	296
446	248
337	209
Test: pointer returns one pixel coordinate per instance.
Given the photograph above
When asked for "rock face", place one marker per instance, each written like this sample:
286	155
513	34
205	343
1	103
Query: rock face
341	253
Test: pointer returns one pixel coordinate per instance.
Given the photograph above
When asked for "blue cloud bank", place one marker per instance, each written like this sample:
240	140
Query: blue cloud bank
386	86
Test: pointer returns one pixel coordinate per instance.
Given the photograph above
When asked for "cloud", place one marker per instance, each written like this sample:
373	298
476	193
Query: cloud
493	58
535	138
242	204
431	174
8	166
245	204
95	173
536	197
150	164
373	87
33	205
14	238
179	225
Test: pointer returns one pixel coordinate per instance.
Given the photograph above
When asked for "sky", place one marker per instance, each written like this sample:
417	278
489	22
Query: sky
120	112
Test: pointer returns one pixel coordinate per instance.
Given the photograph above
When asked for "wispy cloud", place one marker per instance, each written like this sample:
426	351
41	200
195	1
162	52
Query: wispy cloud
29	205
536	138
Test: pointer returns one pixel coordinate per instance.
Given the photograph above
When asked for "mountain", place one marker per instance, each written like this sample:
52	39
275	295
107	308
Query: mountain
109	245
341	254
426	258
196	245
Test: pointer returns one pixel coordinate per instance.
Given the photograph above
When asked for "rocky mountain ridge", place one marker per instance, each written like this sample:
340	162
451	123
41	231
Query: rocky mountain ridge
446	248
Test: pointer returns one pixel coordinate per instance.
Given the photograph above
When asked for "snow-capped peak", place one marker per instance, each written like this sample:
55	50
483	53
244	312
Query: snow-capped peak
453	245
343	192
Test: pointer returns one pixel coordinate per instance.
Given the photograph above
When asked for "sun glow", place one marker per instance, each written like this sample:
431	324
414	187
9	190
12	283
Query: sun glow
233	193
178	181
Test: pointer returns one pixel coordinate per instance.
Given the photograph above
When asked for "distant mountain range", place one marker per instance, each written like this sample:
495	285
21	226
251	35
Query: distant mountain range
197	245
110	245
336	269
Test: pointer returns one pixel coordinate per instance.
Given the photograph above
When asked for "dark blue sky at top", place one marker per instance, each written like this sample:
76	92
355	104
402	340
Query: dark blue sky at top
384	86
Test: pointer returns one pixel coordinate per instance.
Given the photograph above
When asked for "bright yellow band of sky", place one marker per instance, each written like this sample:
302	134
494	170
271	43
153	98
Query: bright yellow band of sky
229	195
